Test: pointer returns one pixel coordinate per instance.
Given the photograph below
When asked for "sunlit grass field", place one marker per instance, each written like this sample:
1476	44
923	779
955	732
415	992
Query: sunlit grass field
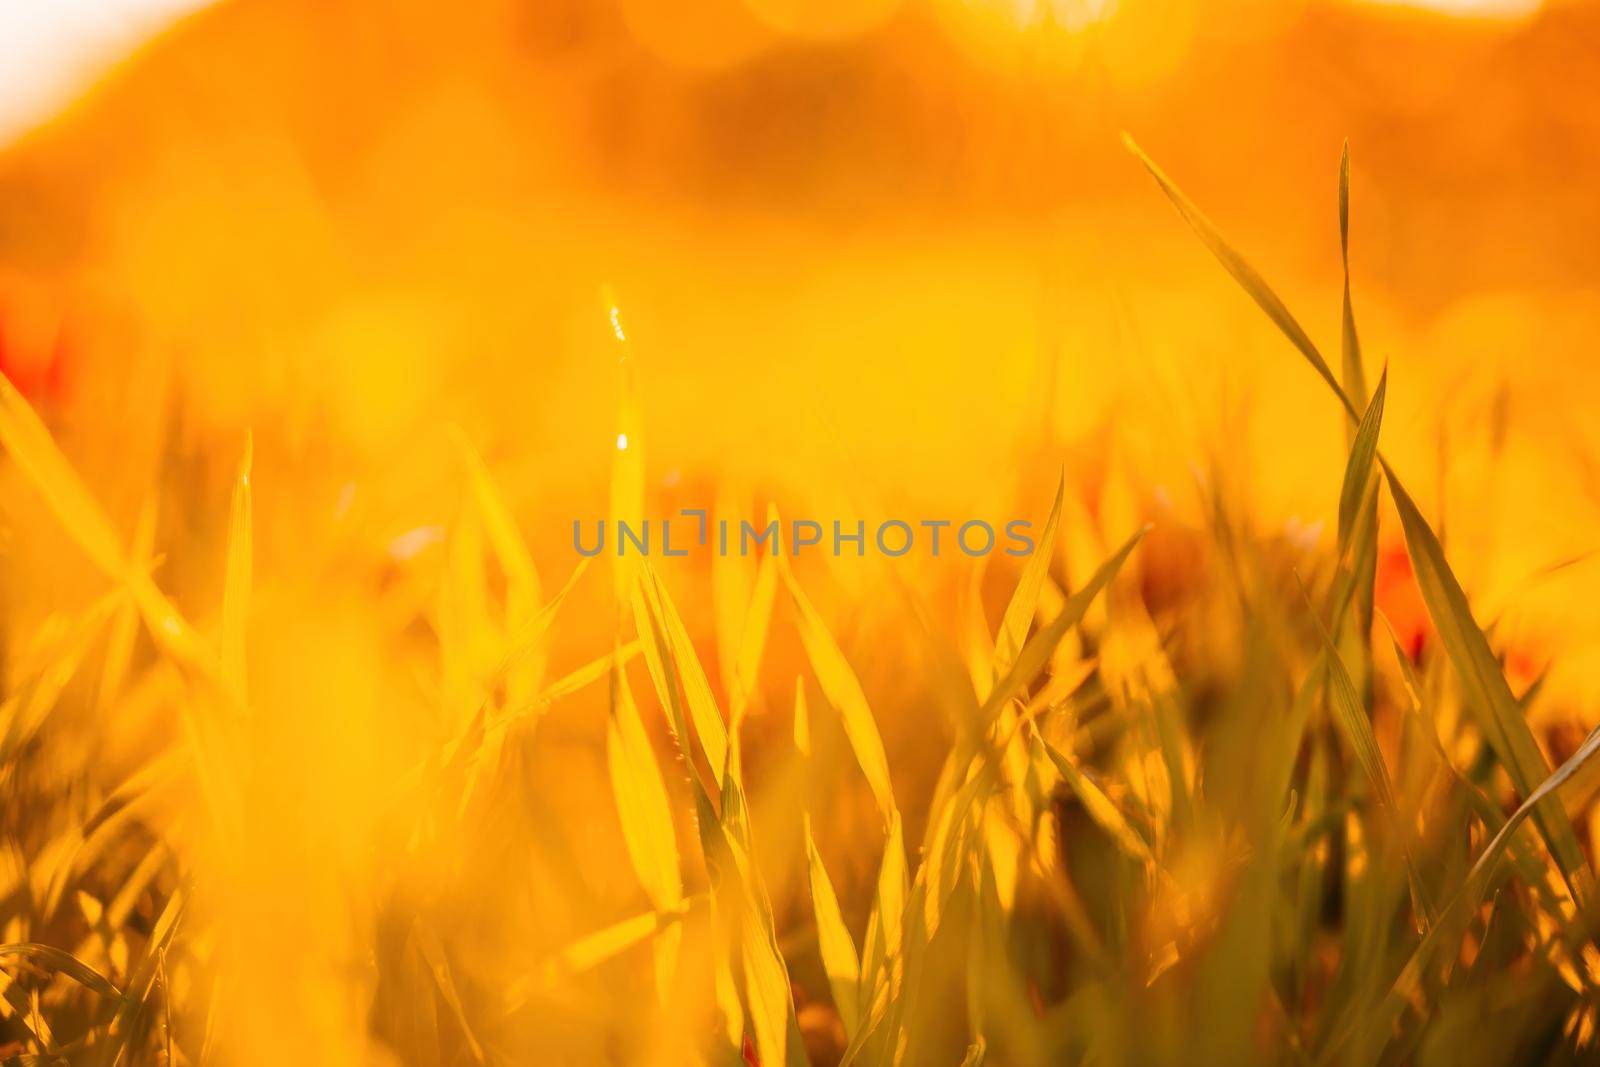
1179	787
323	742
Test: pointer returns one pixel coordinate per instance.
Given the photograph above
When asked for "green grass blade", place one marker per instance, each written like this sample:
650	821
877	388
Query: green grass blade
1035	655
843	690
1355	378
641	798
1358	471
1350	713
1483	684
838	950
1244	274
1025	599
1099	806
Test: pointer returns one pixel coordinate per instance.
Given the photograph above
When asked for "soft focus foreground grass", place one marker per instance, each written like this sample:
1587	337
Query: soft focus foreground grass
1183	788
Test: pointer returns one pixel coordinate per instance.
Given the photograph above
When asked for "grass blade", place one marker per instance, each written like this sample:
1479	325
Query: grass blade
1355	379
843	690
1099	806
1243	273
641	798
1358	471
680	679
1487	692
1485	687
66	963
1037	652
1025	599
838	950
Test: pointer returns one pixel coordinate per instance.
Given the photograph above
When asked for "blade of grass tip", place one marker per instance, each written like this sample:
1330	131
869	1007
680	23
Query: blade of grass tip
1358	471
1244	274
32	449
528	640
1485	687
753	635
1035	655
237	579
1025	599
498	524
641	799
886	923
523	587
843	690
1488	693
834	943
463	750
1355	378
586	675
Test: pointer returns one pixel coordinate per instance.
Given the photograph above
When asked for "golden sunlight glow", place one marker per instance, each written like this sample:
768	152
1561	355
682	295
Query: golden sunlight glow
49	51
1489	9
410	658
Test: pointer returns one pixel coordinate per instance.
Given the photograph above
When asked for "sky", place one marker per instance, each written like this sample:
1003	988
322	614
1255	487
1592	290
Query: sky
51	51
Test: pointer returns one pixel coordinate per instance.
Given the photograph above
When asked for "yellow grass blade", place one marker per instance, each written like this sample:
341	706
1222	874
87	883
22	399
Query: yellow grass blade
885	926
753	635
523	588
529	639
1243	273
1099	806
1351	716
641	800
1024	600
1484	686
65	963
1035	655
591	951
34	452
766	985
725	991
498	524
30	446
1355	380
1486	690
1358	472
680	680
837	948
843	690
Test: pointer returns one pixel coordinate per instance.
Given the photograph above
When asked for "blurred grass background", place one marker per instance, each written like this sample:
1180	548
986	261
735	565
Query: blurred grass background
875	258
